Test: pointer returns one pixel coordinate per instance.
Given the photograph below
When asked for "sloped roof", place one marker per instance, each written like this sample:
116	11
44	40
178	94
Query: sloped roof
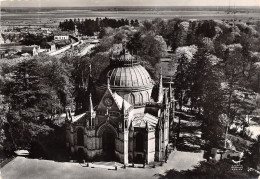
27	48
140	121
119	101
78	117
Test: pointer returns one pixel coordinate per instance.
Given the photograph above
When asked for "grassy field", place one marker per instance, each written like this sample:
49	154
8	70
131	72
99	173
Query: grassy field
54	16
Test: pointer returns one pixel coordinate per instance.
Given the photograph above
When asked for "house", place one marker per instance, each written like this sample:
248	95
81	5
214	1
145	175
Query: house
2	54
61	35
122	117
61	43
49	46
32	50
2	40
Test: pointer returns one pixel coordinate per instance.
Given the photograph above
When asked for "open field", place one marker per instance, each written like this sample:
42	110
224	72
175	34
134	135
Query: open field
53	16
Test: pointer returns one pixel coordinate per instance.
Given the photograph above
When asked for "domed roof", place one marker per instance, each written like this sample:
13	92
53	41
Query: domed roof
125	72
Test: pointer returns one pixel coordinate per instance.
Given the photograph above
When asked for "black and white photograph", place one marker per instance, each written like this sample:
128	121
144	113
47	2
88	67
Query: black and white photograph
130	89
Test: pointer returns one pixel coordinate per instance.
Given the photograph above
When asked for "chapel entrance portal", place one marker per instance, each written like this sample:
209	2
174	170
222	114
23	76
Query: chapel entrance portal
108	144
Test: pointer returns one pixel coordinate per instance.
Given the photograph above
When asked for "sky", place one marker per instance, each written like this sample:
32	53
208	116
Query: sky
78	3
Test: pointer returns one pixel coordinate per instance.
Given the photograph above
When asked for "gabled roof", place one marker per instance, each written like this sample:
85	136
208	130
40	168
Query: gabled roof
78	117
27	48
141	121
119	101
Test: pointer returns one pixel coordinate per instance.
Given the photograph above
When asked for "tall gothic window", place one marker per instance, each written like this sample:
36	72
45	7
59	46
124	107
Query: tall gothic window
132	99
140	98
147	97
80	136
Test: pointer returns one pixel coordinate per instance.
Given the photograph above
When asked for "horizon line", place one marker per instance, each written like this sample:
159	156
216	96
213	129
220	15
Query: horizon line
124	6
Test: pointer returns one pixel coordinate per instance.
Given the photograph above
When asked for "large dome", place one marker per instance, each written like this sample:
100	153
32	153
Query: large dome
128	79
125	72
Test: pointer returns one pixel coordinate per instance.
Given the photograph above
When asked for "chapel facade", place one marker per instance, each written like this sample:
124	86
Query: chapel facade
126	117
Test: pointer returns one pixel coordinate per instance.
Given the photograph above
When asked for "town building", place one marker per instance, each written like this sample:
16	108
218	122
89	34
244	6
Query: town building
61	35
48	46
2	54
123	117
2	40
32	50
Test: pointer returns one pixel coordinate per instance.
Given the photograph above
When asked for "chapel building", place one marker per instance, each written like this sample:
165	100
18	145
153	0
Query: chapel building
125	117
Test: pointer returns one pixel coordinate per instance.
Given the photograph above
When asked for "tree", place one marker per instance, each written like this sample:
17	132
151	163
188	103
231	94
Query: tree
206	94
178	37
30	102
148	26
181	81
212	105
135	43
153	48
206	29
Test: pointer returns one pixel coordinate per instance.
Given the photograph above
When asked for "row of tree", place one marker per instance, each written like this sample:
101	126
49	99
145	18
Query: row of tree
89	26
33	91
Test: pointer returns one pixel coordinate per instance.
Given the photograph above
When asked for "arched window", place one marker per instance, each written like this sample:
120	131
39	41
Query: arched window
132	99
140	98
147	97
139	142
80	136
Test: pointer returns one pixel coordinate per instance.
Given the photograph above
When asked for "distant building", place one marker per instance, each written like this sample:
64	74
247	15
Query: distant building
49	46
7	41
61	43
61	35
46	30
123	117
32	50
2	54
2	40
76	31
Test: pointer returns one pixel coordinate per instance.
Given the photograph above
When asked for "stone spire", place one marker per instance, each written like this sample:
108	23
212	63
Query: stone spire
160	91
123	114
108	82
123	107
171	97
90	79
165	98
90	105
90	111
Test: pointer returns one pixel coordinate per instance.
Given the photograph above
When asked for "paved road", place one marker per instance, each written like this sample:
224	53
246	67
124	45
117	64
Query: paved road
86	50
24	168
